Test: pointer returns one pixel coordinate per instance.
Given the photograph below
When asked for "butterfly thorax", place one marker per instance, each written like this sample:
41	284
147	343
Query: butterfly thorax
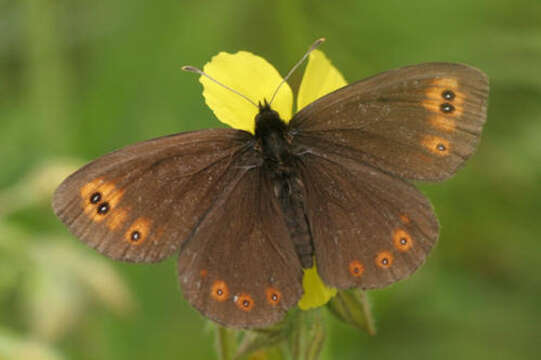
271	136
280	164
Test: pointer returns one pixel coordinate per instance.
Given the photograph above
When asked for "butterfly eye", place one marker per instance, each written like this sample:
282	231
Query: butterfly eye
95	198
103	208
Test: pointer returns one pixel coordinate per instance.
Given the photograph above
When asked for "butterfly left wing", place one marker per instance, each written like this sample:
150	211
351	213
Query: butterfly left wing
239	267
369	228
141	202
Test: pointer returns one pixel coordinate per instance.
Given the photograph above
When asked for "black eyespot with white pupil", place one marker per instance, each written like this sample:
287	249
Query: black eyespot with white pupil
95	198
448	95
274	297
385	261
403	241
246	303
440	147
447	108
219	292
136	235
103	208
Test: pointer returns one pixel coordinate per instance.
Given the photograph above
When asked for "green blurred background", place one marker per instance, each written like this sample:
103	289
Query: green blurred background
81	78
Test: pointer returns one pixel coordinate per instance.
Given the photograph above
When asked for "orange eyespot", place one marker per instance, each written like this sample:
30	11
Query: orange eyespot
356	269
384	260
273	296
99	199
436	145
219	291
402	240
138	231
244	302
444	97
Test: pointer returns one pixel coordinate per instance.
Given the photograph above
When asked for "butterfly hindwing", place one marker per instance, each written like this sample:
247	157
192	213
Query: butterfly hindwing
141	202
418	122
239	267
369	228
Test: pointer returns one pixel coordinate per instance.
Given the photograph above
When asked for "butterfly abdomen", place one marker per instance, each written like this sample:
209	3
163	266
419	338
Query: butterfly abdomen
291	197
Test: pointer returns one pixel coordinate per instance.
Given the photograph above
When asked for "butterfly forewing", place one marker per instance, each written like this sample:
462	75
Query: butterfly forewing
369	228
141	202
418	122
239	267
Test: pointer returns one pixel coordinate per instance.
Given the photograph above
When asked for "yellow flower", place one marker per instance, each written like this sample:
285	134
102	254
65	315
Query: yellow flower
254	77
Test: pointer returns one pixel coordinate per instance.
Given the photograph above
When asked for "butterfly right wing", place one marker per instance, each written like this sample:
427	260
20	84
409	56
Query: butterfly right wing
418	122
141	202
369	228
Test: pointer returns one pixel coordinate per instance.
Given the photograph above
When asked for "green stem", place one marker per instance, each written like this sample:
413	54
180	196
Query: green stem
296	335
225	343
316	336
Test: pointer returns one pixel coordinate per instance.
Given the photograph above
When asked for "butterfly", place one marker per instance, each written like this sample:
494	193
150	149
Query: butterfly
248	212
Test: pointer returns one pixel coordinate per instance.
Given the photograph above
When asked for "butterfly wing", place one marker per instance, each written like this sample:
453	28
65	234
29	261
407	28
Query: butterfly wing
251	279
418	122
369	228
141	202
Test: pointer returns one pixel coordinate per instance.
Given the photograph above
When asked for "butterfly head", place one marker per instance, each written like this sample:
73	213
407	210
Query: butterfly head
271	134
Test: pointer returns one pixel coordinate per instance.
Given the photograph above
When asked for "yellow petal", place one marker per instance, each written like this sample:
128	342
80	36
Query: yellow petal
320	78
253	77
316	293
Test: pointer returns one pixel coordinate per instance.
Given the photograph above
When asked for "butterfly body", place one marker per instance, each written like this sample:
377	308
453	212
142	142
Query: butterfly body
280	160
248	212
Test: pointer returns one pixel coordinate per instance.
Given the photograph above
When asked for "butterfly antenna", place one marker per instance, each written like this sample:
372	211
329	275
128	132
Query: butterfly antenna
314	46
193	69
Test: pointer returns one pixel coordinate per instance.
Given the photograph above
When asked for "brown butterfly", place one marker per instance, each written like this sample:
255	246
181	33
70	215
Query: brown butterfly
248	212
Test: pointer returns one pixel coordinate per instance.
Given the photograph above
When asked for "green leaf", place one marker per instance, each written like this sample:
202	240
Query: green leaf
352	307
258	340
